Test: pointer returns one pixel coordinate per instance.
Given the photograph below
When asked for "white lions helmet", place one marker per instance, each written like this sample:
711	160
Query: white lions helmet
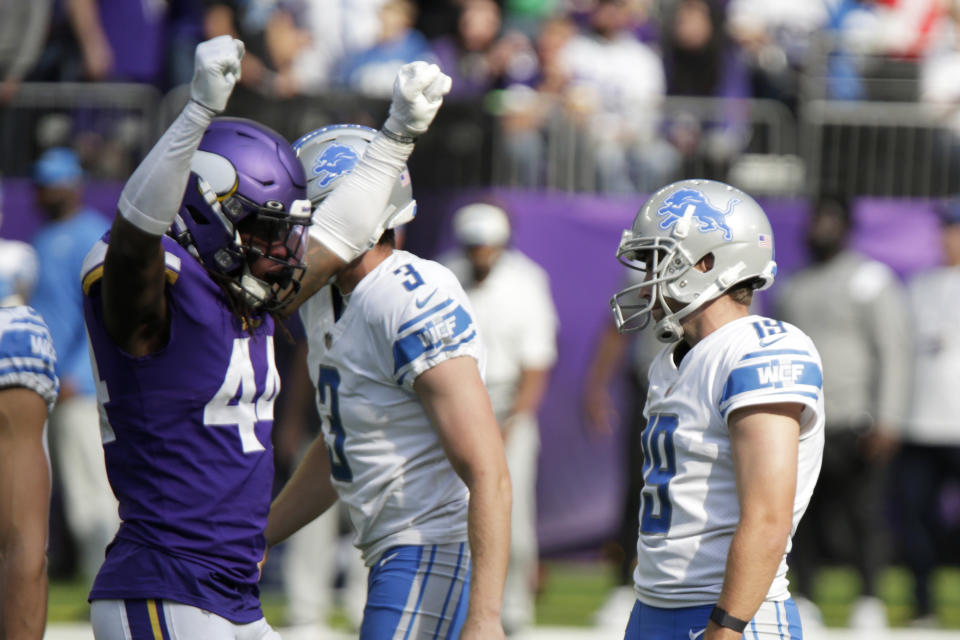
329	153
678	226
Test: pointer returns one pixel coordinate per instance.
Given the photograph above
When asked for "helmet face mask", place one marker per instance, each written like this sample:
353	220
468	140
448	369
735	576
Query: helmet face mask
244	214
682	225
332	152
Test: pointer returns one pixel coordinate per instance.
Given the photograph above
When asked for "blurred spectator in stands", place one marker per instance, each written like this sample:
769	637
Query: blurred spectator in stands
929	458
855	310
477	57
184	32
372	70
528	16
309	39
940	68
23	34
616	89
121	41
701	61
246	20
61	245
516	316
776	36
525	110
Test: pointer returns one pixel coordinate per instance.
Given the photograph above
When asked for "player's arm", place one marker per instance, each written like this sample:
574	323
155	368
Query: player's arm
24	514
454	397
133	288
765	444
531	387
600	409
308	494
350	220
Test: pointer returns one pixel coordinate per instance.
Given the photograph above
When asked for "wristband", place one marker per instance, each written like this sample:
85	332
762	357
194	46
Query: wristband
724	619
396	137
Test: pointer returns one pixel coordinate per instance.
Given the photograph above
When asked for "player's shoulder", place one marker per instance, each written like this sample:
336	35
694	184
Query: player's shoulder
404	277
92	269
759	336
22	317
27	355
24	333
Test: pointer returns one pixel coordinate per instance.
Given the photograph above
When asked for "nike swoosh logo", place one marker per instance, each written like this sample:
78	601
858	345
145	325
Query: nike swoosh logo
770	341
696	634
423	302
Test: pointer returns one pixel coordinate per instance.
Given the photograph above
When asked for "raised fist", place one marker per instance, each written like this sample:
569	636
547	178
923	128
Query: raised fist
417	95
216	69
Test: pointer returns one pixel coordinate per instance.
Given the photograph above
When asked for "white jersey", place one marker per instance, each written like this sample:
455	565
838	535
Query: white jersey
689	508
388	466
935	404
516	317
27	357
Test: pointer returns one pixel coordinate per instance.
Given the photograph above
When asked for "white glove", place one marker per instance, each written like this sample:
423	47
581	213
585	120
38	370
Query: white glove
216	69
417	95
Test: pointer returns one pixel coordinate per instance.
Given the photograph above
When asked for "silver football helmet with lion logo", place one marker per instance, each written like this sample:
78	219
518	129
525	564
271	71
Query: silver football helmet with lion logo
676	228
329	153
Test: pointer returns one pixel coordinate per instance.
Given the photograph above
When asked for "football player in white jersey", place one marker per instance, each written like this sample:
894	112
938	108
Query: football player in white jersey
734	434
410	442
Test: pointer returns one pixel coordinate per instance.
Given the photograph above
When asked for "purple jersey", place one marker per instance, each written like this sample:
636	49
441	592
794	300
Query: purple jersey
186	438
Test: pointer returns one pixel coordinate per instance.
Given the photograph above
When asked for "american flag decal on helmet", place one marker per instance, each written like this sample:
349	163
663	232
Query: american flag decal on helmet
763	240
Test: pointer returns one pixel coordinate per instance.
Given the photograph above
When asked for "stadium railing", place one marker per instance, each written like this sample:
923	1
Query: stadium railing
856	148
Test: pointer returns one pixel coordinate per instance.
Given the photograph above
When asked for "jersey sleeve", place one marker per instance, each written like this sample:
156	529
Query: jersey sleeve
27	356
775	371
432	327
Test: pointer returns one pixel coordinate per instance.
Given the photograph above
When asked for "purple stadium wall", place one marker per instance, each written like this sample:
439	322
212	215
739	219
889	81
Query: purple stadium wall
575	237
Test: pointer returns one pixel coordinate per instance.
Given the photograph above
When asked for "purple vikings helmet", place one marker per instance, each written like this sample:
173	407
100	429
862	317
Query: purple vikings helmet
329	153
246	200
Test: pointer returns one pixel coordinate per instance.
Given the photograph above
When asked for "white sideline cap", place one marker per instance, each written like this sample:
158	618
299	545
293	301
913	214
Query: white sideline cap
481	224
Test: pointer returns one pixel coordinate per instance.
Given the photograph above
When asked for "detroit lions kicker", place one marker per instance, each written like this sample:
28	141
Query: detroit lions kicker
395	356
734	435
181	338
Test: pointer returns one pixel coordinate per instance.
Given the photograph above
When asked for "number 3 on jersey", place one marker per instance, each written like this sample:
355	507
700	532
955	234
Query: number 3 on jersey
327	384
659	467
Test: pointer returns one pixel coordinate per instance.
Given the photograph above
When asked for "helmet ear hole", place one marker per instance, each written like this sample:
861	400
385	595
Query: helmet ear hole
198	218
706	263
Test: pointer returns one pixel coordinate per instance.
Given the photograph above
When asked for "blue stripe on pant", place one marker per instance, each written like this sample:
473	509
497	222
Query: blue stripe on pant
418	593
773	621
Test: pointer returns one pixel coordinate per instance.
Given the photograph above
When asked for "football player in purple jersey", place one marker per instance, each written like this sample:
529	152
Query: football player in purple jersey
213	237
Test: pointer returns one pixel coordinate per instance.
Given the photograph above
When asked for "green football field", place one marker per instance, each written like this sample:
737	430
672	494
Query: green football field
574	590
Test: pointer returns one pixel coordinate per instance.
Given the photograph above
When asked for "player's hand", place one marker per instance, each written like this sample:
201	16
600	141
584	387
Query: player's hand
216	69
263	561
417	95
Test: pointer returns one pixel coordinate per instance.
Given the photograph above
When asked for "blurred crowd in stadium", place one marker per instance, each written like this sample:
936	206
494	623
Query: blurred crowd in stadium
604	65
524	70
